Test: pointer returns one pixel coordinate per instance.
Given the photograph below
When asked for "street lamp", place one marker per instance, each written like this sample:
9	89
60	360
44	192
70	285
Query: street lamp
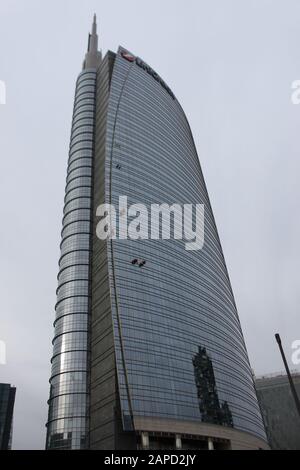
292	385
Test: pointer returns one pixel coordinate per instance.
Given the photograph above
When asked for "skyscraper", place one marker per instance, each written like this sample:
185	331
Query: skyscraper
148	350
7	402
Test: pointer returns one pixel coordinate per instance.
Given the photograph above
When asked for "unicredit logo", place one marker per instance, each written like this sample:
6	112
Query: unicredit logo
144	66
128	56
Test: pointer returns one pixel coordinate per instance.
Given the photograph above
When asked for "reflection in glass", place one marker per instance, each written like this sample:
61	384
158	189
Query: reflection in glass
210	408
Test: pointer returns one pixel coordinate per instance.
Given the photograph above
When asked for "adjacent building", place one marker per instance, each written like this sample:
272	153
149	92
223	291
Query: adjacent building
279	411
148	350
7	401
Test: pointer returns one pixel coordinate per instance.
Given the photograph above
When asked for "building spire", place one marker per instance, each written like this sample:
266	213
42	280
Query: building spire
94	27
93	56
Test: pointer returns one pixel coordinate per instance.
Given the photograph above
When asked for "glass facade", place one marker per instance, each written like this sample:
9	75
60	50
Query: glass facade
68	418
143	328
179	305
7	401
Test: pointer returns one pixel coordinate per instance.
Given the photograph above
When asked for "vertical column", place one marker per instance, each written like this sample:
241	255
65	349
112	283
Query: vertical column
67	426
210	444
145	440
178	442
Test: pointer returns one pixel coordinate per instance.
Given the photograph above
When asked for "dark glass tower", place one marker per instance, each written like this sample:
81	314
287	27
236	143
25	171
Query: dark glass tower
146	354
7	402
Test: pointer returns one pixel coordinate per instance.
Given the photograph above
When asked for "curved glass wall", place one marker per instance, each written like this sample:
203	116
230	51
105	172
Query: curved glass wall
68	419
179	346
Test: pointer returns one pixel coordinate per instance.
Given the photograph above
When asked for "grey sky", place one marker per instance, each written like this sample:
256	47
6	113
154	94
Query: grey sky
231	64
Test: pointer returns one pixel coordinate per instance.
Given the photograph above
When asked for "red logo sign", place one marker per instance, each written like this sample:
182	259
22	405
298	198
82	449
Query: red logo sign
128	56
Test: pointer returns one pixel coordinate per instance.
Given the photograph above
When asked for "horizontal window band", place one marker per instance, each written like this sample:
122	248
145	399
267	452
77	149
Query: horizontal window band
74	249
75	222
63	446
83	114
67	394
88	107
87	152
82	184
81	137
89	83
78	246
78	168
87	199
69	332
89	94
87	296
86	350
84	101
84	167
64	419
89	159
77	209
73	189
82	371
88	86
85	215
83	76
87	280
73	279
74	265
84	73
85	250
89	121
73	235
89	149
84	139
87	128
70	314
79	197
80	146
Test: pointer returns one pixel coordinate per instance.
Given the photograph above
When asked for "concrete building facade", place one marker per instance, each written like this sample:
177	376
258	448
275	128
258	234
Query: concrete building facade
279	411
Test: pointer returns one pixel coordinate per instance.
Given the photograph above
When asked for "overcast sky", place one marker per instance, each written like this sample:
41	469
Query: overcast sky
231	64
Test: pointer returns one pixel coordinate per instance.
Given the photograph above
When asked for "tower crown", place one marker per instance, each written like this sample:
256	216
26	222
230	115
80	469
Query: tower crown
93	56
